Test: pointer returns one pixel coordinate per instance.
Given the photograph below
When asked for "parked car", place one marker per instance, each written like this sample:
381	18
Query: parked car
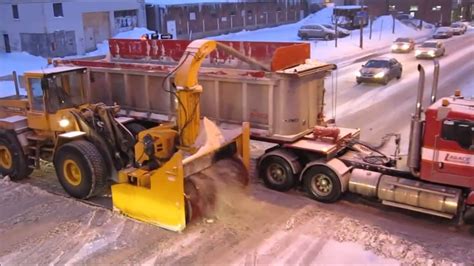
443	33
380	70
430	49
316	31
341	32
458	28
403	45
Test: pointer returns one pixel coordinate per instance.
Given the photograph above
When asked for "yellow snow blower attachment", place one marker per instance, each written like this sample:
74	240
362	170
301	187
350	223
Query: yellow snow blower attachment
167	186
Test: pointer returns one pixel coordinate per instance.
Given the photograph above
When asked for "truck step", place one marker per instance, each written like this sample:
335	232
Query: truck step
36	138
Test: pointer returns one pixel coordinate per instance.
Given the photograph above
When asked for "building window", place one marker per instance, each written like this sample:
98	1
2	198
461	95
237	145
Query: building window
436	8
392	8
192	15
58	9
413	8
125	19
15	12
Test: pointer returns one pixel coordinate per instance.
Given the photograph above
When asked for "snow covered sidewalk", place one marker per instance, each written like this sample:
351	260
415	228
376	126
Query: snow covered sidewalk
348	47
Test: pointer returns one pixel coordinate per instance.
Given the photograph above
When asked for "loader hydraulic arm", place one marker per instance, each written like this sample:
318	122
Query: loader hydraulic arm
189	91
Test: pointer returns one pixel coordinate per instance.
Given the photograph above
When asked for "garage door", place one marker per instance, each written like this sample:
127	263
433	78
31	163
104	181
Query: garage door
96	28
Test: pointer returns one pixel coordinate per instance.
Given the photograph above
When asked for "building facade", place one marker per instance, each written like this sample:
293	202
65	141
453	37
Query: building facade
463	10
193	21
65	27
432	11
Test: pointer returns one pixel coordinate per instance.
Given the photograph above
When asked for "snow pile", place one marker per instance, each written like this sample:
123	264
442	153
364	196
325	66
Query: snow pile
20	62
103	47
382	36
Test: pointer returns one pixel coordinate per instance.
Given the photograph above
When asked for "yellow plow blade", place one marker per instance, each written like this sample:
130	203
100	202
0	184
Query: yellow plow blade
180	189
162	204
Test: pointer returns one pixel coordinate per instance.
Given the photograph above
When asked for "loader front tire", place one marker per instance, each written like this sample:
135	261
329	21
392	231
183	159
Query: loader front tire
81	169
13	161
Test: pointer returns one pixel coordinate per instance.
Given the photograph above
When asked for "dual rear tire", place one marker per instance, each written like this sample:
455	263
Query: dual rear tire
319	181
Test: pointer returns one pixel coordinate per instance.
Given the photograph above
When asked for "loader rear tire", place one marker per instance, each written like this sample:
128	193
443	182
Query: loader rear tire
13	161
81	169
277	174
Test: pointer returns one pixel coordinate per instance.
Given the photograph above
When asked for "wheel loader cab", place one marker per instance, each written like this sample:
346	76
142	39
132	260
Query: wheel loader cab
52	92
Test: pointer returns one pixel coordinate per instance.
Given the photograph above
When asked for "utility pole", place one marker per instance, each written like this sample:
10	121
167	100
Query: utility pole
371	20
335	40
393	24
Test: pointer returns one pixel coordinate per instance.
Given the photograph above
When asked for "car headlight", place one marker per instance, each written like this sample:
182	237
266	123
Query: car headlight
405	46
431	53
379	75
417	52
64	122
358	74
394	47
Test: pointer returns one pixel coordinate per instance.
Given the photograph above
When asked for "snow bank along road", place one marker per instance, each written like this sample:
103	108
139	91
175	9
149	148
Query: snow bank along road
260	226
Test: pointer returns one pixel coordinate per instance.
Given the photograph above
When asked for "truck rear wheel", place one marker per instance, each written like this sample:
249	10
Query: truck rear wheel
322	184
277	174
13	161
81	169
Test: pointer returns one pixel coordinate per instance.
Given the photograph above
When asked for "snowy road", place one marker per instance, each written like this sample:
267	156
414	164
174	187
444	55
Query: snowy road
379	109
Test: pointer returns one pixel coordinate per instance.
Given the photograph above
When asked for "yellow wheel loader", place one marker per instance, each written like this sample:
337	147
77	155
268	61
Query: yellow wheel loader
156	170
53	122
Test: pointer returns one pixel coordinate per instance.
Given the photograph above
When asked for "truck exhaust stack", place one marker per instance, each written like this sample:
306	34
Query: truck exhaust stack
434	88
416	128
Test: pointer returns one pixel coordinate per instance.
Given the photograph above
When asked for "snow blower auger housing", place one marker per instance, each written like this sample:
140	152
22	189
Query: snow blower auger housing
165	186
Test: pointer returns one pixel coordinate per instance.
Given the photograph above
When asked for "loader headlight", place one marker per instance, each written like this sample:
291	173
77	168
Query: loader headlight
431	53
379	75
417	52
405	46
64	122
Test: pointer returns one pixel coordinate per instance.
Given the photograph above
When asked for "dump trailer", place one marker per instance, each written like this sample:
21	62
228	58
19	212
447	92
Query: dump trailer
273	86
436	178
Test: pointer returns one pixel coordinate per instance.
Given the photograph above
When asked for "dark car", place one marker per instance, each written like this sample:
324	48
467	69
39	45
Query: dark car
443	33
379	71
403	45
316	31
458	28
341	32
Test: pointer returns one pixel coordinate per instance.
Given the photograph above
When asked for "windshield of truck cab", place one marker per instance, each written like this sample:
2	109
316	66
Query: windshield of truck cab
65	90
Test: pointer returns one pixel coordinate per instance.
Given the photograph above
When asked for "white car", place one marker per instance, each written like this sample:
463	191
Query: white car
430	49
